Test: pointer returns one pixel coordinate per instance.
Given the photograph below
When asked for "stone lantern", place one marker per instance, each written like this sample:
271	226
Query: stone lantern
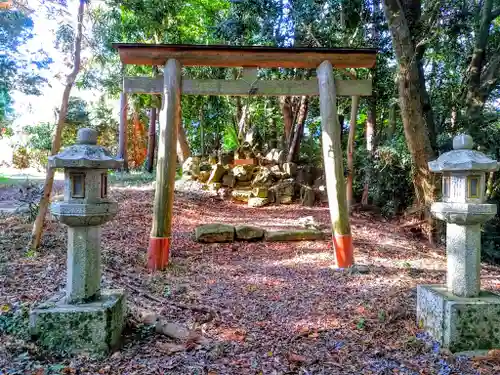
86	317
459	315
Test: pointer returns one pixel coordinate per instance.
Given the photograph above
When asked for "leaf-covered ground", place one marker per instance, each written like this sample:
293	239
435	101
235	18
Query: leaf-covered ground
264	308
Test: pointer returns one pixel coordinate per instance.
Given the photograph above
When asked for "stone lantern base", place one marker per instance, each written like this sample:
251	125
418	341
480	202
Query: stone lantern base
459	324
94	327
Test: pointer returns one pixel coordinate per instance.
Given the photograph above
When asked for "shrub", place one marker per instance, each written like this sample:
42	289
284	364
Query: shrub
20	158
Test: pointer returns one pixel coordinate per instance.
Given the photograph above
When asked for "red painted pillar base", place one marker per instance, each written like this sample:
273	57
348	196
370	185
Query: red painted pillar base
158	253
342	244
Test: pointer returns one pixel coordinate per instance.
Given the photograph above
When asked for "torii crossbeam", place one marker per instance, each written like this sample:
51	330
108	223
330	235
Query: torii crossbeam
172	86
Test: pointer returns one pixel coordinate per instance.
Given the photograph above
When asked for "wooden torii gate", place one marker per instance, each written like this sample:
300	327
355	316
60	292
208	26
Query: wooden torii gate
172	86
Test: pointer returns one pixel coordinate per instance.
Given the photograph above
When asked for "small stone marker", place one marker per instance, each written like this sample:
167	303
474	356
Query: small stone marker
459	314
86	318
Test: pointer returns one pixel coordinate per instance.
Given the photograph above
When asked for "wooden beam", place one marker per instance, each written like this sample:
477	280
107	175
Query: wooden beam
334	169
170	120
245	56
241	88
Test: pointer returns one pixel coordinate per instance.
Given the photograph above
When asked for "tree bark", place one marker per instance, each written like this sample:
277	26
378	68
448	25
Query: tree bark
36	234
202	131
350	150
123	131
334	169
242	122
286	110
410	88
370	145
476	99
402	20
293	152
183	151
151	140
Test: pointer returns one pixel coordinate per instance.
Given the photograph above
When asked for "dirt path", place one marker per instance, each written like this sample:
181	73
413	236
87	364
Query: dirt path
280	307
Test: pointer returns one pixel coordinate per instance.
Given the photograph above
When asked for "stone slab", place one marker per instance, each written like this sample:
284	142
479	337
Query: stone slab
294	235
248	233
216	232
459	324
94	327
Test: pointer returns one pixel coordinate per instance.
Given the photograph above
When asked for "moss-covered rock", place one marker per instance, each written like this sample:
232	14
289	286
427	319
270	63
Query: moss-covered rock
216	232
294	235
248	233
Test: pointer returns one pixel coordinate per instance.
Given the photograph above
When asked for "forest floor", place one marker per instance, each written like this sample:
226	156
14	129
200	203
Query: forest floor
262	308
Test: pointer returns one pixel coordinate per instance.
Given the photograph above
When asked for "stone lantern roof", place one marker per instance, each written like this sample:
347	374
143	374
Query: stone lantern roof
463	158
85	154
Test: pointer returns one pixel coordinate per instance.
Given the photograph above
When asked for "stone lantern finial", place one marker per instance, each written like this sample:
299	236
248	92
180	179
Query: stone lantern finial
462	142
86	136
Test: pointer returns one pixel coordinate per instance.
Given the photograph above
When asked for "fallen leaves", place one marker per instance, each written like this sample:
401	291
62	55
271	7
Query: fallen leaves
243	308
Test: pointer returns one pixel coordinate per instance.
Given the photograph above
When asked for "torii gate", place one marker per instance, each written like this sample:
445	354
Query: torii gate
172	85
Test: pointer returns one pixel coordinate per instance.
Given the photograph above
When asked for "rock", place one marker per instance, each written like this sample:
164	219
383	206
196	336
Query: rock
204	176
218	171
209	233
290	169
285	199
241	195
307	196
305	175
309	222
284	191
212	159
215	186
262	176
243	172
257	202
248	233
191	166
226	158
276	156
294	235
205	166
224	193
229	180
276	172
260	192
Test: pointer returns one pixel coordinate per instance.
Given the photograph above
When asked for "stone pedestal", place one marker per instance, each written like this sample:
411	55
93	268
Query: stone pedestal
93	327
459	324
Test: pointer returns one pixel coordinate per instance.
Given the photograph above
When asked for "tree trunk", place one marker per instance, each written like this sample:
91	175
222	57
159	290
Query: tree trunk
410	99
202	131
151	140
370	145
391	129
334	169
286	110
293	152
350	150
475	99
123	134
242	122
183	151
36	234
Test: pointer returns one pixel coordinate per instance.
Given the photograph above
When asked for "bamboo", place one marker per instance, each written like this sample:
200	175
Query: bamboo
334	170
159	244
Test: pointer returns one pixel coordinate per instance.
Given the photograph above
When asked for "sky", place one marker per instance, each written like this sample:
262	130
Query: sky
32	109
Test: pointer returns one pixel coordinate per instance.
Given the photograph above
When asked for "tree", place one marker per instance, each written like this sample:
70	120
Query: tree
56	143
403	19
18	70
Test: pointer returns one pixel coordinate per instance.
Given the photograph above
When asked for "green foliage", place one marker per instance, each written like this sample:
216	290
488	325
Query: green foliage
20	158
15	321
230	141
18	69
